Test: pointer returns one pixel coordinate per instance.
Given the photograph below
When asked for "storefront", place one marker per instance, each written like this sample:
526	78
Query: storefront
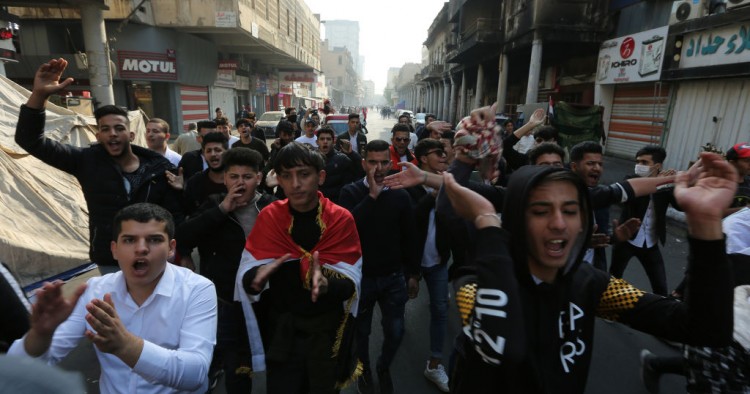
711	70
628	86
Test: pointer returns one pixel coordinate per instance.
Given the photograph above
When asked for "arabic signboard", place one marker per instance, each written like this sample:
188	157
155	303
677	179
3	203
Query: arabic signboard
634	58
226	19
726	45
147	65
297	77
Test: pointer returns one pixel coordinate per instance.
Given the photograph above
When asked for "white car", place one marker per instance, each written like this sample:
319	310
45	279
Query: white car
404	111
268	122
420	118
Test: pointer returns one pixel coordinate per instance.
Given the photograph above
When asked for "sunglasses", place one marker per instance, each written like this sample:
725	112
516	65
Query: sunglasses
439	152
402	139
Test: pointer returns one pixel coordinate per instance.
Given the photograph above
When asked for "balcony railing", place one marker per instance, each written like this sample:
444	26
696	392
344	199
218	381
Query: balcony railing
482	30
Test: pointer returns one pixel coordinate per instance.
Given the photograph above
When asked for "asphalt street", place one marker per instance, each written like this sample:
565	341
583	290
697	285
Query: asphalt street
615	363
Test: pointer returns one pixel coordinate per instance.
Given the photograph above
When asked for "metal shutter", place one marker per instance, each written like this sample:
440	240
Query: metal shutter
194	104
639	113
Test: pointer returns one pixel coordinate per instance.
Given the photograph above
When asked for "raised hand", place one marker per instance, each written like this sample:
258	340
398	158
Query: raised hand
47	82
177	182
537	117
319	281
265	271
109	334
271	180
346	146
230	203
411	176
439	125
704	192
375	189
625	231
49	311
51	307
468	204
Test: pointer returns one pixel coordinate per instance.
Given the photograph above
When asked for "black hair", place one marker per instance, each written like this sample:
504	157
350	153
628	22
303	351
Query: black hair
506	122
284	126
241	156
732	154
243	121
376	146
326	130
547	133
143	213
400	127
110	110
292	118
295	154
424	146
658	154
206	124
430	116
288	110
449	135
404	115
352	116
222	121
578	151
545	148
214	137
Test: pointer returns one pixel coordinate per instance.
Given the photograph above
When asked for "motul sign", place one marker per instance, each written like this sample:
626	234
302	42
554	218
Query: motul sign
147	65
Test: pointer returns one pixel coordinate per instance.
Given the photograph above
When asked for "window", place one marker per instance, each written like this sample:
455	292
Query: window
295	29
288	25
339	59
268	16
278	14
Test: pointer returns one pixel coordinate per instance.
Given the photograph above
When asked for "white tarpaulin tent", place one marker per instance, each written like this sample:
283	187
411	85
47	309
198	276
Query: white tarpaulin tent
43	216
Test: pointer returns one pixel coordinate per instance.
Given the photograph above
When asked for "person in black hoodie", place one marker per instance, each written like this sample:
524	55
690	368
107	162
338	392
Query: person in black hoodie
342	167
528	303
219	228
113	173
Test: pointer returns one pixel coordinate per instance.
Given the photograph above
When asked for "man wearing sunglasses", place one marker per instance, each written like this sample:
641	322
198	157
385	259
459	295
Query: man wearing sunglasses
399	149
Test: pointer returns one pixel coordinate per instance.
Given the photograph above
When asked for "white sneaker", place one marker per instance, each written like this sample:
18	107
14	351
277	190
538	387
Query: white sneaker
437	376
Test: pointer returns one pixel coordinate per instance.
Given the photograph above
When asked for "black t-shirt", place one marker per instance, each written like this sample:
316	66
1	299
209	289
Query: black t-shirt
255	144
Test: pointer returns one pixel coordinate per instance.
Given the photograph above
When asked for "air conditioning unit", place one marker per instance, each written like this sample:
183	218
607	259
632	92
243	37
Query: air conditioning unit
737	3
685	10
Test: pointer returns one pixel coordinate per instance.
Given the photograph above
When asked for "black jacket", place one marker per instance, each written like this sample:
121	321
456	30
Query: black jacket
191	163
100	178
220	241
538	338
386	229
636	208
341	170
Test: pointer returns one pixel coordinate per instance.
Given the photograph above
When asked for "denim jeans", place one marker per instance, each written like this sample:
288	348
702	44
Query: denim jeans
436	279
390	293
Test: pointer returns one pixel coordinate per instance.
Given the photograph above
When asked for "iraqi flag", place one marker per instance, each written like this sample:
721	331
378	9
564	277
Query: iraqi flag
339	251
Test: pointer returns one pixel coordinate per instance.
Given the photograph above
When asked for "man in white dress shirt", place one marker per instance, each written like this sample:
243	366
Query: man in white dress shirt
153	324
157	136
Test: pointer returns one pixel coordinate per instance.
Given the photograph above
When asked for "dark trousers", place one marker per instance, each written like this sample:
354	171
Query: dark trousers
390	293
308	369
650	259
232	348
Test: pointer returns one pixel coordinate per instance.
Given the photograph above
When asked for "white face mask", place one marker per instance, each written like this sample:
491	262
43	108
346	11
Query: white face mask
642	171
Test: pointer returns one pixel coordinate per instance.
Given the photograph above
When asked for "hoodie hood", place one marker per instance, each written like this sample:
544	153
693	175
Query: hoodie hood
517	194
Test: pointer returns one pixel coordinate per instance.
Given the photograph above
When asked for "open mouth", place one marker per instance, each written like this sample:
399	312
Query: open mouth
556	247
140	266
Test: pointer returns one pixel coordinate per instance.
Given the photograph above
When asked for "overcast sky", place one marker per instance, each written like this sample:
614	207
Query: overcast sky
391	32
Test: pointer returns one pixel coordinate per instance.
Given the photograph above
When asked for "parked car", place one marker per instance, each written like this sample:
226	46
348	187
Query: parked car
268	122
340	123
420	118
404	111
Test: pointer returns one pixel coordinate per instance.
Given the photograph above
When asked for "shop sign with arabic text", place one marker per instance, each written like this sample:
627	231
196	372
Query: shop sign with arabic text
726	45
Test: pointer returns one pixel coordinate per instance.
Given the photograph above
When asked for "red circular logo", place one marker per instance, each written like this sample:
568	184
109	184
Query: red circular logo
627	47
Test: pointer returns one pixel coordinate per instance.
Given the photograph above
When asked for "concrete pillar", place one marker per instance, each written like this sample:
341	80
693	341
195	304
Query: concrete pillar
441	94
535	67
95	39
453	103
462	102
502	82
2	69
446	99
480	87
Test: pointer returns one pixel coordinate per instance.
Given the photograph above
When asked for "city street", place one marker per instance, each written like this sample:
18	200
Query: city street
615	363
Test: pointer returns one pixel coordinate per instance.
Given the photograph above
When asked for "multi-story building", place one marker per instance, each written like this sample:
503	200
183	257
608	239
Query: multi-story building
175	60
344	33
338	66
